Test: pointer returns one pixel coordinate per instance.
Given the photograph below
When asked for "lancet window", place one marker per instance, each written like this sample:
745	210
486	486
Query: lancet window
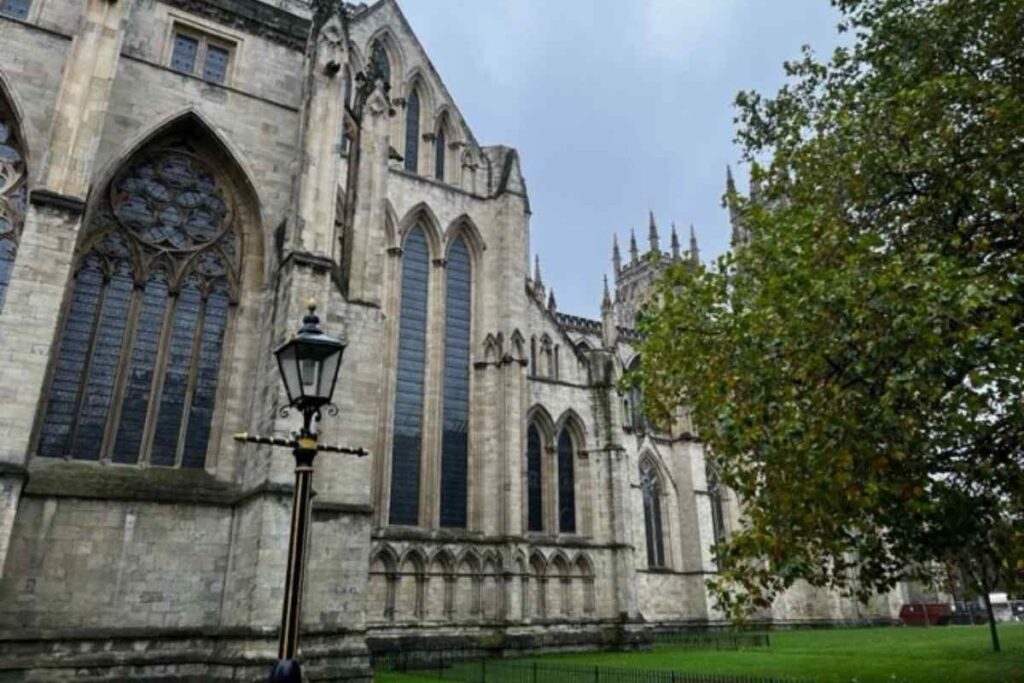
717	504
440	147
408	415
137	366
534	482
412	131
566	482
379	61
455	435
650	487
13	195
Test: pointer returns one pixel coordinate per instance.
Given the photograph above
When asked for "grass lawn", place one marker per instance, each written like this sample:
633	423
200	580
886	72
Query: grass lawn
952	654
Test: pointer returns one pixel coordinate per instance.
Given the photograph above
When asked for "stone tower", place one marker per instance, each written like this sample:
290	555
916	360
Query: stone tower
635	278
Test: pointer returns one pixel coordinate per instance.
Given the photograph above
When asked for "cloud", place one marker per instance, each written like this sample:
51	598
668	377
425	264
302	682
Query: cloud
676	30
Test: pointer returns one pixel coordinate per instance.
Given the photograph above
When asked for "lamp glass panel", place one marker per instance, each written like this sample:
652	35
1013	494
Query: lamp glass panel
289	366
328	373
309	372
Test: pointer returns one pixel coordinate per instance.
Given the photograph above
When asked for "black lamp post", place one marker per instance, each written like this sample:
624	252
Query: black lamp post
309	364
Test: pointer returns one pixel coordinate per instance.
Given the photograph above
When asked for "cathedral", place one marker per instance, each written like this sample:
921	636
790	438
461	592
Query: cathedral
177	179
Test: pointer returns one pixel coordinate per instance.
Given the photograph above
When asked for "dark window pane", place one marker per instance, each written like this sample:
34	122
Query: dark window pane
379	59
535	502
455	437
440	145
717	510
75	342
566	484
7	254
138	384
412	131
216	67
408	425
183	56
346	102
651	489
200	415
103	366
178	361
15	8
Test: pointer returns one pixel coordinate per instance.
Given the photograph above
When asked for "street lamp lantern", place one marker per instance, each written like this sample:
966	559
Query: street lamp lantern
309	364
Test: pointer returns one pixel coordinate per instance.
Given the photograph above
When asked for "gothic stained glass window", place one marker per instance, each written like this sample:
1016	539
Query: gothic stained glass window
566	483
637	416
650	486
15	8
440	145
408	420
13	194
412	131
136	369
534	492
346	94
717	508
455	436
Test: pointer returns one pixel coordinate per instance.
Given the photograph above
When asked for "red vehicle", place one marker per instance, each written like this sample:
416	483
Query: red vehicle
925	614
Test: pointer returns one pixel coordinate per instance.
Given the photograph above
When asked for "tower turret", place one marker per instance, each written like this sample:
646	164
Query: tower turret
634	253
616	255
538	281
652	235
675	243
694	251
609	330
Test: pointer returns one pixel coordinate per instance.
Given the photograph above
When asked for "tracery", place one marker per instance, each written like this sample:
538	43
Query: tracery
13	195
137	367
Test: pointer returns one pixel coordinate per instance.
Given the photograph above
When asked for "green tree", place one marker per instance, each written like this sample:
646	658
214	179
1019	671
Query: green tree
856	369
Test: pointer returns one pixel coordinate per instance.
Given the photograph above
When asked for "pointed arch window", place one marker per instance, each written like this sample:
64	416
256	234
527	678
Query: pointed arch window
13	195
408	414
717	505
455	435
637	417
412	131
136	370
379	61
440	147
566	483
346	102
534	490
650	487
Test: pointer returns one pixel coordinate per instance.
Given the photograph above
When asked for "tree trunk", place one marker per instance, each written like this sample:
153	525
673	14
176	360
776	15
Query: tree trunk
991	616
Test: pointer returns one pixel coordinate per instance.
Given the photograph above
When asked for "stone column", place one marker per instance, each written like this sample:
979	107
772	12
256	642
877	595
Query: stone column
322	123
364	258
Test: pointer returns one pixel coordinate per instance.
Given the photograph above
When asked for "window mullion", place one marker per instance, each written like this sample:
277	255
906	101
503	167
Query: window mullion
117	395
200	66
157	385
186	407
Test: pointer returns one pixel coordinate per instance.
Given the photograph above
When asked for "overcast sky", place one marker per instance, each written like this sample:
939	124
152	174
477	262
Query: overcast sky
616	107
